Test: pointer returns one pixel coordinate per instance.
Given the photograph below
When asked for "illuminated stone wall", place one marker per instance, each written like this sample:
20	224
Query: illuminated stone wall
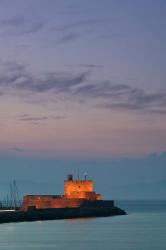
45	202
80	189
77	186
76	192
42	202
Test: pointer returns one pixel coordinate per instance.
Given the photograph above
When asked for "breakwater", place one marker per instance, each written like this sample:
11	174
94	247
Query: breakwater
58	213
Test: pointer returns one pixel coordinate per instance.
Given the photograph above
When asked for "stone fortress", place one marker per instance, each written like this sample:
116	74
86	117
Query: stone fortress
77	193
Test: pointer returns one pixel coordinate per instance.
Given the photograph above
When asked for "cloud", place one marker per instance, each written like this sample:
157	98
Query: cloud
90	65
86	65
124	97
154	102
58	117
81	23
60	33
34	118
26	117
17	78
72	31
20	25
68	38
105	90
16	149
159	111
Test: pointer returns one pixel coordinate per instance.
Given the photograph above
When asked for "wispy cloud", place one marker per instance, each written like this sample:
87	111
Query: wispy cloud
20	25
105	95
72	31
58	117
29	118
80	23
16	149
68	38
60	33
139	100
90	65
16	76
86	65
34	118
124	97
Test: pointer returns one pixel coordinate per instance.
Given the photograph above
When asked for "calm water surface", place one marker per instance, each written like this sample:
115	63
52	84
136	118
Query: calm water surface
143	228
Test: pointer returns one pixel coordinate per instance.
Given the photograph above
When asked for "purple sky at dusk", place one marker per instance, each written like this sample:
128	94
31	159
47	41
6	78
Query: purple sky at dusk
83	78
82	84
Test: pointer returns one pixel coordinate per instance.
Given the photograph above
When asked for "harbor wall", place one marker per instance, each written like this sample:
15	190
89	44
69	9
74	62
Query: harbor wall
44	202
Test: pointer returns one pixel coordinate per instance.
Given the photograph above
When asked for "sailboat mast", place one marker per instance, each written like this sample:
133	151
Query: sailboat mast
11	195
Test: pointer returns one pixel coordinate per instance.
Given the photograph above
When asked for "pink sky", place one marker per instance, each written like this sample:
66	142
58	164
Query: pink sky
82	81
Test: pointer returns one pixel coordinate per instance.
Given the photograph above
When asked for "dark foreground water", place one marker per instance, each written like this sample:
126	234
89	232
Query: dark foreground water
144	228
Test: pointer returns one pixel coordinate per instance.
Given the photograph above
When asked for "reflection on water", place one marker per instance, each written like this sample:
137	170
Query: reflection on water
142	229
80	220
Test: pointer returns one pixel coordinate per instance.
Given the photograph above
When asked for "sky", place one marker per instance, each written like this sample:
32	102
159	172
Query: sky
82	85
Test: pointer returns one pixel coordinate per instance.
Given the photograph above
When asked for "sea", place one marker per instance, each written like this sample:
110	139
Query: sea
143	228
